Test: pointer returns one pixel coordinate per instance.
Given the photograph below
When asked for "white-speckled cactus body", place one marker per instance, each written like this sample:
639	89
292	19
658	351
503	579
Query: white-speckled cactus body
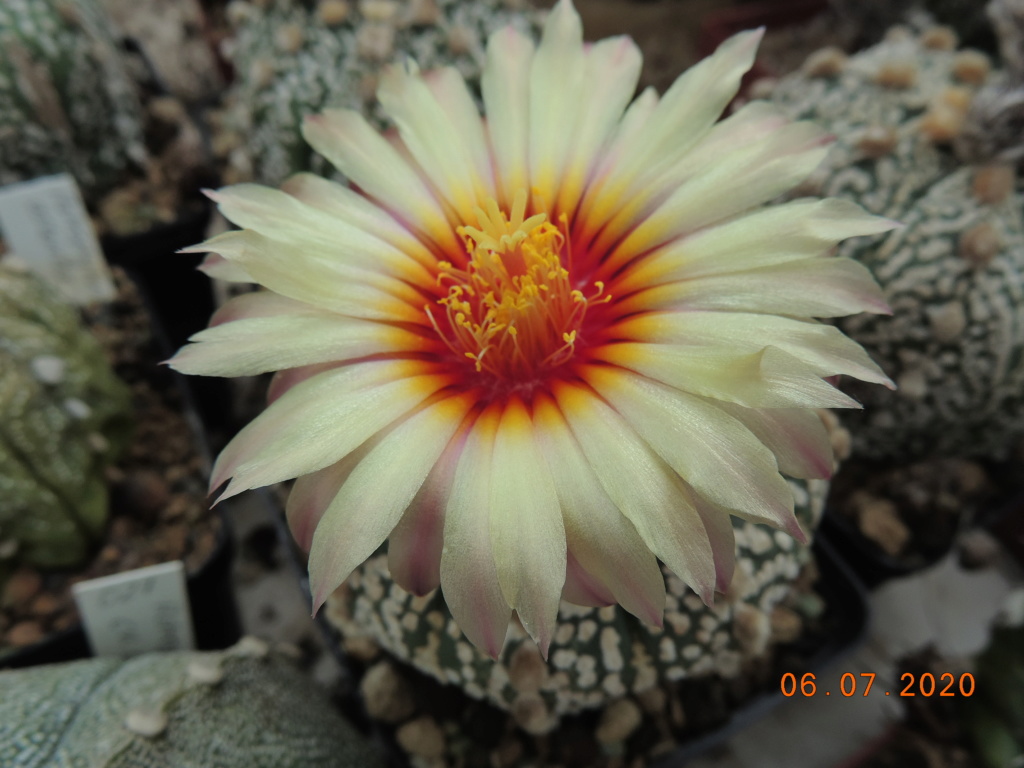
66	101
954	274
241	708
64	416
297	57
598	654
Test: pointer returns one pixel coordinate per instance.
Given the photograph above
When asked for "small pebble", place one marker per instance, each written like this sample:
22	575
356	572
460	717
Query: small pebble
386	694
361	648
25	633
971	67
980	244
421	737
618	721
205	671
992	184
877	141
879	521
251	646
289	38
532	714
939	39
146	491
827	62
21	586
786	624
333	12
375	42
527	670
897	75
146	722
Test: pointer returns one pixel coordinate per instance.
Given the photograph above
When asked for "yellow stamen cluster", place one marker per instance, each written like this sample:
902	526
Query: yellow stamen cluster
513	310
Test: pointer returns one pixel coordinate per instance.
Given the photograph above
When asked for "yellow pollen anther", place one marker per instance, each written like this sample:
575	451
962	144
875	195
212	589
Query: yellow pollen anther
512	310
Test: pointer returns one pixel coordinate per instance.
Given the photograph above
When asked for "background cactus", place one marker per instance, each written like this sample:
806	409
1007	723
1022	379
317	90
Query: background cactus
954	274
64	416
296	57
598	655
241	708
66	102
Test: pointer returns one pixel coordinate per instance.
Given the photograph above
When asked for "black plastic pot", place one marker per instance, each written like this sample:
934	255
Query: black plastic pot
871	564
178	295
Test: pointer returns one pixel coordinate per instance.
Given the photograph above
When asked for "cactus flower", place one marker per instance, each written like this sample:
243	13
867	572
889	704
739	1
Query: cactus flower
540	350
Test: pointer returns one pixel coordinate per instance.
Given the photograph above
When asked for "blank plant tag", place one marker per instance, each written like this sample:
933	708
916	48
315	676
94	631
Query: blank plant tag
138	611
45	226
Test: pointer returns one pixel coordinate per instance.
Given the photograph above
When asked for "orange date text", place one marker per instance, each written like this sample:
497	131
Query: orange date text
849	684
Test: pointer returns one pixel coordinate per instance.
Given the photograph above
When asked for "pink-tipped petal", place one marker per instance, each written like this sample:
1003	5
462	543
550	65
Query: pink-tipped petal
469	577
599	537
375	495
415	546
582	588
527	533
650	494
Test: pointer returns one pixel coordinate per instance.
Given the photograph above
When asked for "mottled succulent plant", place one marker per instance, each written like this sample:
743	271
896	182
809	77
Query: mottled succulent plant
64	416
66	101
597	655
294	58
954	273
246	707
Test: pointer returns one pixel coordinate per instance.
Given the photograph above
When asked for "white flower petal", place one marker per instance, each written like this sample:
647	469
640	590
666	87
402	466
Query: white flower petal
256	345
821	287
217	267
601	541
526	526
445	136
556	94
311	494
796	436
683	117
822	347
767	237
319	421
609	82
713	452
416	544
769	378
378	491
582	588
469	577
742	179
642	486
282	217
505	83
308	274
353	146
349	206
284	380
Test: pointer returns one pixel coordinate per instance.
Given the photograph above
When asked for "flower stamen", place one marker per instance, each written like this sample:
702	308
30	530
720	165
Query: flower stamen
513	310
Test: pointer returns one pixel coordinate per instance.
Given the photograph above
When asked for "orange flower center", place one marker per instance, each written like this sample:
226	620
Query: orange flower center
513	310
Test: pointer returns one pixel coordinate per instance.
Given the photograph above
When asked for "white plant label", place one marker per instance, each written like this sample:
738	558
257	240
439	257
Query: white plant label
46	227
138	611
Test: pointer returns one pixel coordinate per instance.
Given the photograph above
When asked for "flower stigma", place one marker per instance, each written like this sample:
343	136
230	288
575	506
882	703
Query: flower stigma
513	310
